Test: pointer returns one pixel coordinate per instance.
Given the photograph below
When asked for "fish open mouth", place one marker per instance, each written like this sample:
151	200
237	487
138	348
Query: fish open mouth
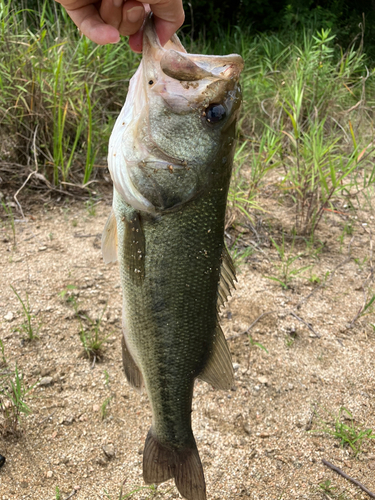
186	80
176	103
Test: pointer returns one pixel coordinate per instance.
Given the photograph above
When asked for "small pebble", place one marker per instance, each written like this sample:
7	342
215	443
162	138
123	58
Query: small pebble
246	428
9	316
41	249
49	474
263	380
109	450
45	381
95	408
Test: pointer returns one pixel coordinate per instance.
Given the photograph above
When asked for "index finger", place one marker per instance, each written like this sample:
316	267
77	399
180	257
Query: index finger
88	20
169	15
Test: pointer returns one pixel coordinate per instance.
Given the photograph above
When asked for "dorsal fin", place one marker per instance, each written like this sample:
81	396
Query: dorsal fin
227	278
109	239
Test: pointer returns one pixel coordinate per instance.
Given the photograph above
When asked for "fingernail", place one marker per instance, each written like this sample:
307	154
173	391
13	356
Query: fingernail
135	14
118	3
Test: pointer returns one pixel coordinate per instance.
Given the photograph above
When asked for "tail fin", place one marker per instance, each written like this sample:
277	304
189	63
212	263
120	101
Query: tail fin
161	463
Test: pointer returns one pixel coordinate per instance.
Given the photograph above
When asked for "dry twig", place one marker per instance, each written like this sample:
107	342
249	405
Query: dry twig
344	475
250	327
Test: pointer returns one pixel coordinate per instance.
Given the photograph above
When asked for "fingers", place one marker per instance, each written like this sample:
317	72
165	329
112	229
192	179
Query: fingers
169	16
133	14
103	21
88	20
111	12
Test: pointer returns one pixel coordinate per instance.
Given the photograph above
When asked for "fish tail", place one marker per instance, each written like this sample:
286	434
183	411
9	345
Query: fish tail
161	463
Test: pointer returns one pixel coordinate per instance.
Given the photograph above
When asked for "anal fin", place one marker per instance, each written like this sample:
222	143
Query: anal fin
132	372
219	369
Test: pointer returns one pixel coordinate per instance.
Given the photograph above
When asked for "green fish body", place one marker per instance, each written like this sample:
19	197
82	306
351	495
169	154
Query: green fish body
170	158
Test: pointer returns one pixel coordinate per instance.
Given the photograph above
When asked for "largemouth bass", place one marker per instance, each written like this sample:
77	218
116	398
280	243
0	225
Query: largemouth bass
170	158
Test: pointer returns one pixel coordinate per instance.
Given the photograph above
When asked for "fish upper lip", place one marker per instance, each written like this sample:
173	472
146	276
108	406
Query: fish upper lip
175	62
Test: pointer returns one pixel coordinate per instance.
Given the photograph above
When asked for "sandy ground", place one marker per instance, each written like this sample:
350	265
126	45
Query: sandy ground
263	440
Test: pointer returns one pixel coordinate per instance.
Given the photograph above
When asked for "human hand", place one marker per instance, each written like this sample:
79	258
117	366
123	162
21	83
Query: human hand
104	21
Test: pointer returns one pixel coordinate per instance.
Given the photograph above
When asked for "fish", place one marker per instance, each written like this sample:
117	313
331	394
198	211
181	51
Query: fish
170	157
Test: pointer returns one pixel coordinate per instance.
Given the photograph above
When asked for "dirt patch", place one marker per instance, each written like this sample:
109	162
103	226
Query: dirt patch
254	440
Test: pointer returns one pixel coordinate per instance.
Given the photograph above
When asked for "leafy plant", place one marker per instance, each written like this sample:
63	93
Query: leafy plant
13	395
331	491
257	344
92	338
287	269
27	326
348	434
66	295
58	494
104	407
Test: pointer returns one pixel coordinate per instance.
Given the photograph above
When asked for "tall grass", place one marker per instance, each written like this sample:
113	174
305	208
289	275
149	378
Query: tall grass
306	126
59	92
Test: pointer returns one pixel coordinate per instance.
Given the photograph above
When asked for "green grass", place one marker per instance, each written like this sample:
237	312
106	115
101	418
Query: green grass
288	269
350	434
306	128
27	327
152	489
13	395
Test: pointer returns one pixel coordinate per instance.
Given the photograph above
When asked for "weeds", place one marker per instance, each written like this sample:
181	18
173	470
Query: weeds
27	326
57	493
57	91
256	344
104	407
13	395
92	338
287	269
9	213
331	491
90	207
66	293
152	489
348	434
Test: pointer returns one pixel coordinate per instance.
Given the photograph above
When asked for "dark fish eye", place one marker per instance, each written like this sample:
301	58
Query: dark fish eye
214	113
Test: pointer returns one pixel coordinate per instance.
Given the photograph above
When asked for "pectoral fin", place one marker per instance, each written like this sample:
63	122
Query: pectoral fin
109	239
219	369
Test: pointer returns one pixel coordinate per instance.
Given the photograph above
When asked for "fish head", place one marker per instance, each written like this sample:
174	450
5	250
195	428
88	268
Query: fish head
175	134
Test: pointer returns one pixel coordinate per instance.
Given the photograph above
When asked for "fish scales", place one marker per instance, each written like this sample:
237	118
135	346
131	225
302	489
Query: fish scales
171	170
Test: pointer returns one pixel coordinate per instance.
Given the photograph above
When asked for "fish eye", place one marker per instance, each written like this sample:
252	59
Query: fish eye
214	113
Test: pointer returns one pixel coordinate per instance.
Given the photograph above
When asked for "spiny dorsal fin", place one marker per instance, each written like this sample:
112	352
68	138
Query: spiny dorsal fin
219	369
132	372
109	239
227	278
